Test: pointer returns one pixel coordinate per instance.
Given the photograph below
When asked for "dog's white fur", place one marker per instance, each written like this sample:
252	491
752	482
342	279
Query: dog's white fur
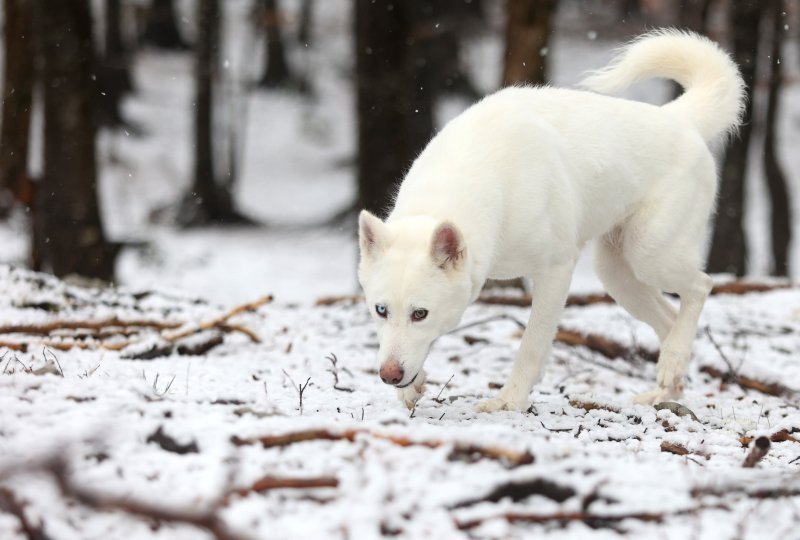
522	180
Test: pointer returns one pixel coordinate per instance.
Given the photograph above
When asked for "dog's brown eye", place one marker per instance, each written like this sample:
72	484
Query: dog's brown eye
419	314
381	310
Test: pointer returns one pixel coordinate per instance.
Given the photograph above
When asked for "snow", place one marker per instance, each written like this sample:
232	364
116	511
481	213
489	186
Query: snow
297	172
100	414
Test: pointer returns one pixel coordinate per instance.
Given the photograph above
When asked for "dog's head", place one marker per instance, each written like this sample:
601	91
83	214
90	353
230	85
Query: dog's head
417	284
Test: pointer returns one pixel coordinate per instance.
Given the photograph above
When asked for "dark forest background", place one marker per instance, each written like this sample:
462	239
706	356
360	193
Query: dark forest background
71	60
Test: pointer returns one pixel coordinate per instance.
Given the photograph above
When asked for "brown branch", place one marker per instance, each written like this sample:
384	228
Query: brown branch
591	406
603	345
10	505
757	453
578	300
103	324
269	483
209	520
595	521
517	491
748	383
460	451
221	322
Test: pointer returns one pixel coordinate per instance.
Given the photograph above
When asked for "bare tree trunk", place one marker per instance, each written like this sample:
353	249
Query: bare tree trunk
161	27
18	78
528	30
276	67
304	27
728	246
114	76
208	201
67	205
392	111
776	179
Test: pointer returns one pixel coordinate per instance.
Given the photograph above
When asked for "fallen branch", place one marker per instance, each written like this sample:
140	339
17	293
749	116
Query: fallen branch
221	322
517	491
603	345
209	519
460	450
100	325
748	383
592	406
579	300
10	505
595	521
269	483
172	331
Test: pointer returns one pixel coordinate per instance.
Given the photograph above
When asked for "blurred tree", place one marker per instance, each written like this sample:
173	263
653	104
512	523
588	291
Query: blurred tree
693	15
68	232
18	76
528	28
276	68
114	75
304	27
393	96
728	251
161	27
209	200
781	220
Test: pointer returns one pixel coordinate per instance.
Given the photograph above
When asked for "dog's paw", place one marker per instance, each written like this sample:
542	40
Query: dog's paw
411	394
659	394
501	403
671	369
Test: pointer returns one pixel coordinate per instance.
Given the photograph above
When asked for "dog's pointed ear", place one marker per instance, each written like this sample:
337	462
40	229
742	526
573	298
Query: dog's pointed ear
371	234
447	247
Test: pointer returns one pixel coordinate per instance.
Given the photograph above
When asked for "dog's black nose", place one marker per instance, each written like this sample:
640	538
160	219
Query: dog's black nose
391	372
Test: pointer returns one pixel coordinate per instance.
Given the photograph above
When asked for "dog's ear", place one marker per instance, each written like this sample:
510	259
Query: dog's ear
447	246
370	233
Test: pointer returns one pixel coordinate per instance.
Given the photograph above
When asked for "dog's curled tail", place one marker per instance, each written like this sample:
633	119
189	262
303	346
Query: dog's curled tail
714	94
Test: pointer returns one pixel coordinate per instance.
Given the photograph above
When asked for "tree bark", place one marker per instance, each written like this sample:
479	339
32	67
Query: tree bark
781	219
67	205
18	76
394	114
208	200
161	27
729	246
114	76
276	68
528	30
306	18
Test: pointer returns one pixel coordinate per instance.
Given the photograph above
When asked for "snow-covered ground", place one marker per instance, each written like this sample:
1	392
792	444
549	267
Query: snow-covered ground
298	155
596	457
96	408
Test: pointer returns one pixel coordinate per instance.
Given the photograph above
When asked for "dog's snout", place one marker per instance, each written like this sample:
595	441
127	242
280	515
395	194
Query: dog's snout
391	372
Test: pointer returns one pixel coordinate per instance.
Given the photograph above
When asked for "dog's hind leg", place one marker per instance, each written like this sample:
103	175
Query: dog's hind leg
550	290
662	245
643	301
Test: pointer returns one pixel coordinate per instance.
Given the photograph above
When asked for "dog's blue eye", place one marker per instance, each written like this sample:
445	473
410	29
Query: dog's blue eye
419	314
381	310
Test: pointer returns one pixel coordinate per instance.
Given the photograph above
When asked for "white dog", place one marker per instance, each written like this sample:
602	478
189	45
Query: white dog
522	180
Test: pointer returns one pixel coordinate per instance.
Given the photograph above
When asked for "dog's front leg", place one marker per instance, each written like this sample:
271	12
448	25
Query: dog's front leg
550	291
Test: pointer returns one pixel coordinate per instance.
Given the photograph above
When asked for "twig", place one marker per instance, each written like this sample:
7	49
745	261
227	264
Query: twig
720	351
759	450
301	388
460	450
221	322
517	491
436	399
335	371
748	383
